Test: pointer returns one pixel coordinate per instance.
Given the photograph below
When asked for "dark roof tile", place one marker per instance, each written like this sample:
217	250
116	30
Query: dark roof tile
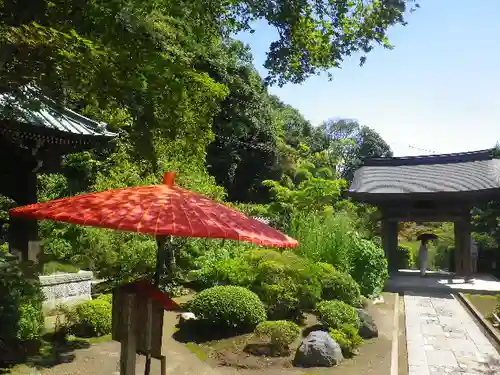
449	173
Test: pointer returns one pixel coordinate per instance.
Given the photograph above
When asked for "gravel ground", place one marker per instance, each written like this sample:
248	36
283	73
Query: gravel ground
103	358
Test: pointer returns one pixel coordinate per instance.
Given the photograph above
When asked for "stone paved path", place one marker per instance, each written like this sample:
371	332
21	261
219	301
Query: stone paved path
443	339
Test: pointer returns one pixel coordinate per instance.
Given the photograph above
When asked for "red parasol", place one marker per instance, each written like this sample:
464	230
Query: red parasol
161	210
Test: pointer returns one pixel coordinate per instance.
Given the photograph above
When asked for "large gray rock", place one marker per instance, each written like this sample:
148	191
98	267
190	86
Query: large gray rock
318	349
367	328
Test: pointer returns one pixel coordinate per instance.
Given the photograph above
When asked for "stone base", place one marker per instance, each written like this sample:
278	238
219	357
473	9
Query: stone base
66	288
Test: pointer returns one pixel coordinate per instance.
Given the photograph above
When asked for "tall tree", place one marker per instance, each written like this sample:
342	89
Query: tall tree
314	35
354	143
244	152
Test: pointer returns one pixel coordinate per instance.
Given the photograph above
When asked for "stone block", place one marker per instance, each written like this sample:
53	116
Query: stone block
66	288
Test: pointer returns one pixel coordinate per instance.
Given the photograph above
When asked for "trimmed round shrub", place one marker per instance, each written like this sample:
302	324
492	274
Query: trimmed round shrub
280	333
336	313
341	286
348	338
369	267
229	307
91	318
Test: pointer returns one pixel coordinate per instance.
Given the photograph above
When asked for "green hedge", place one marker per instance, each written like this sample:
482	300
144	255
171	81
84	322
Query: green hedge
405	258
336	313
341	286
287	283
230	307
348	338
91	318
369	267
280	333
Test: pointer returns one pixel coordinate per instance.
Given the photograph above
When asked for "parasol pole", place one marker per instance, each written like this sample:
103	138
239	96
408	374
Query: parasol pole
160	241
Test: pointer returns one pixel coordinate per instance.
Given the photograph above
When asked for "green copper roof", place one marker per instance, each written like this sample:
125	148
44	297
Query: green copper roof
38	110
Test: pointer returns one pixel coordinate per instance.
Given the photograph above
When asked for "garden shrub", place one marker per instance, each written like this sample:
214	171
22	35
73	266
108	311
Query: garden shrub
497	308
91	318
405	258
54	267
280	299
21	317
340	286
336	313
287	283
31	322
369	267
327	239
219	265
348	338
229	271
334	239
229	306
280	333
106	297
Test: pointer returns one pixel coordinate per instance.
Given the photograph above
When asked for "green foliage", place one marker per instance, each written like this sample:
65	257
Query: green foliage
440	251
106	297
280	333
287	283
31	322
354	143
324	32
497	308
333	239
228	271
314	30
21	315
405	257
245	119
230	307
336	313
185	97
348	338
91	318
312	194
369	267
118	256
219	263
51	268
340	286
328	239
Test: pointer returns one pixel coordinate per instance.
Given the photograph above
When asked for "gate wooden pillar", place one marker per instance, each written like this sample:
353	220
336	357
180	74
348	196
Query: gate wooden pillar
463	261
390	242
23	234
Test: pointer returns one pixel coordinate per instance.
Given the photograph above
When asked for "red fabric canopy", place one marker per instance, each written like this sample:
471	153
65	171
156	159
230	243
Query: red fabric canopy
163	298
160	210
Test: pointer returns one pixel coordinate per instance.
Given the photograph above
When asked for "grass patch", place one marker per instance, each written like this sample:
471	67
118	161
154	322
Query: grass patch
485	304
198	350
91	340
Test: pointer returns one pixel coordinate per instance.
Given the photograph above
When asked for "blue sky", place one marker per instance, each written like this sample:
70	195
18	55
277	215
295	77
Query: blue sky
437	91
